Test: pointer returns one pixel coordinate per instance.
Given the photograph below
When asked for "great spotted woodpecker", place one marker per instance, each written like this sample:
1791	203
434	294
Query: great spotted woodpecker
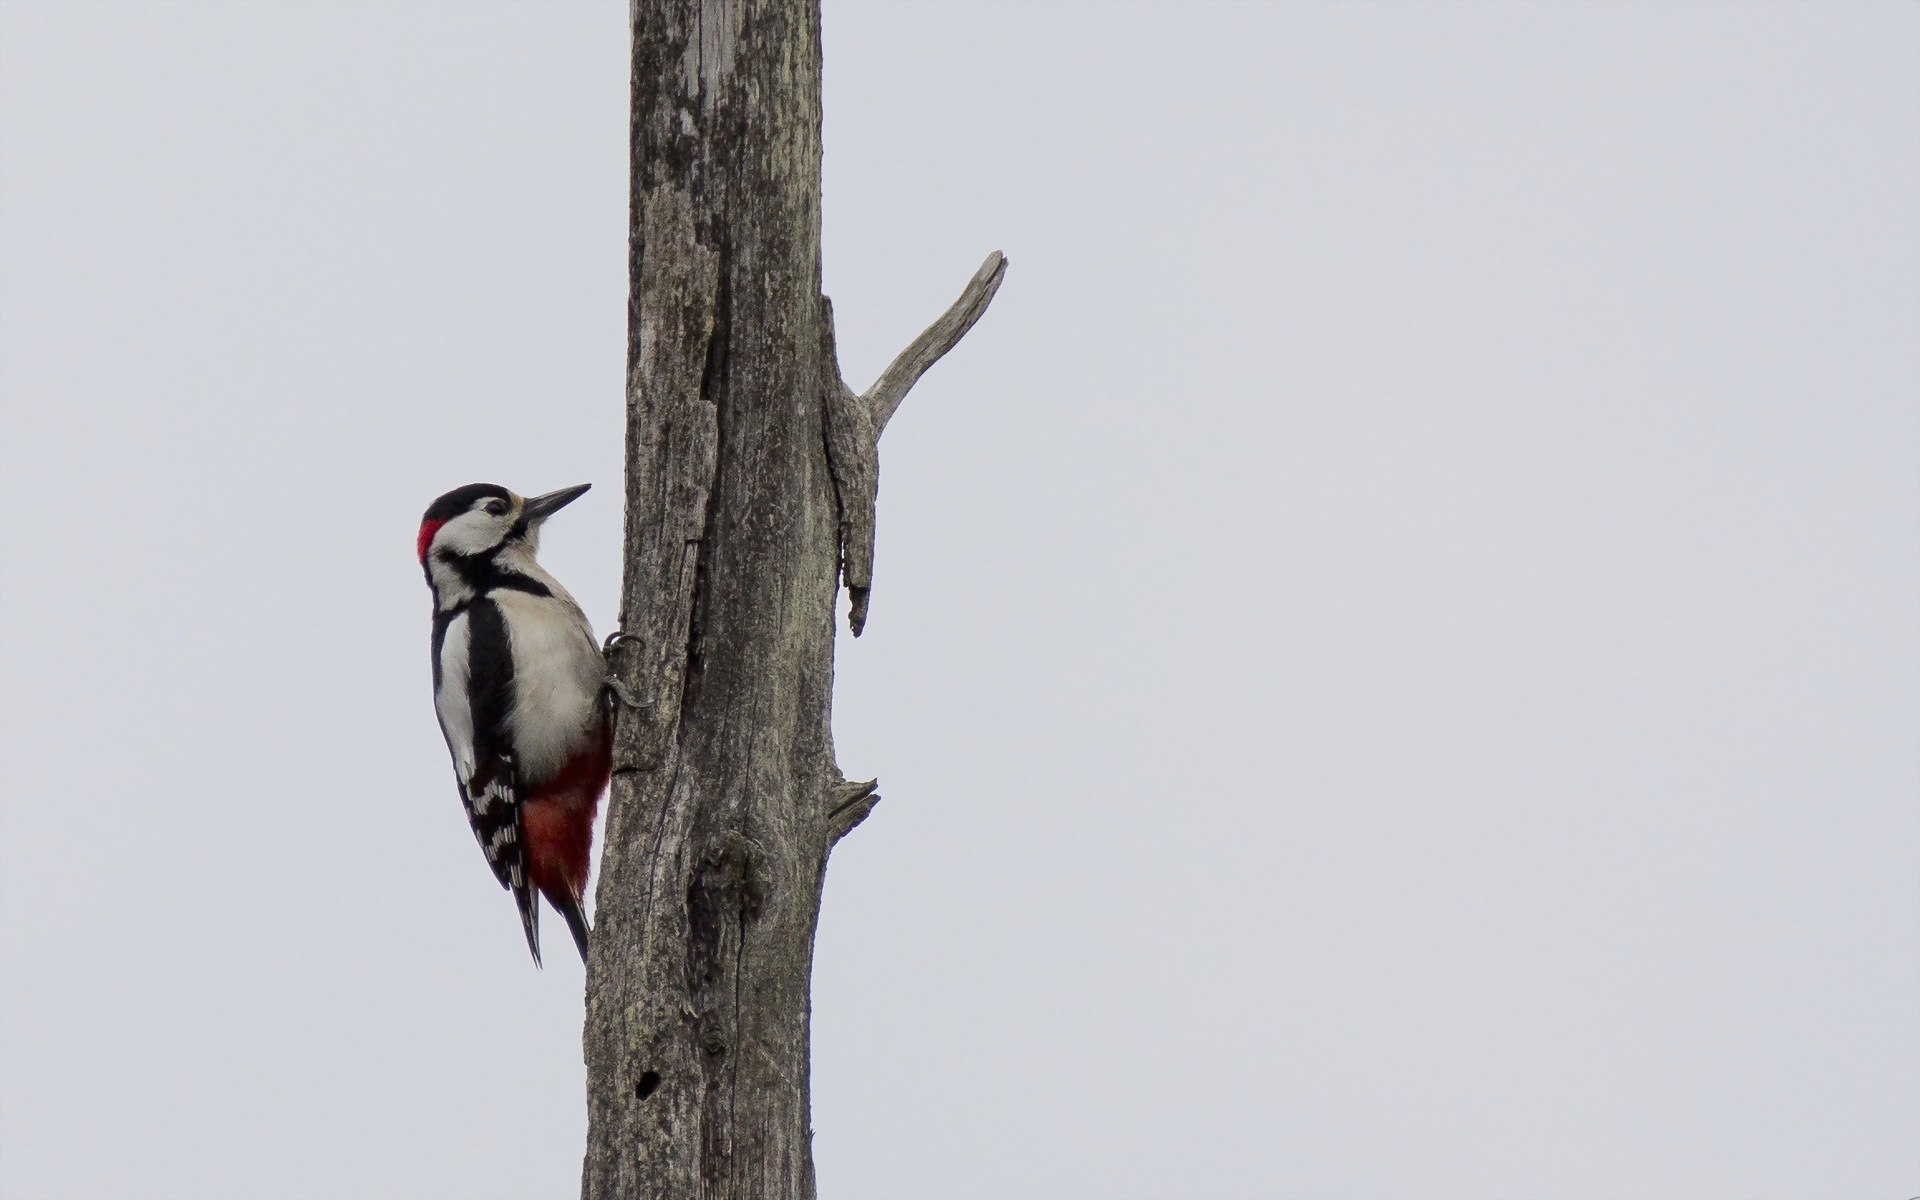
519	684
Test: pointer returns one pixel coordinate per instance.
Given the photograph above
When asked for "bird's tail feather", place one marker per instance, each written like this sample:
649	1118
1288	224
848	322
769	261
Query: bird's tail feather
529	902
569	908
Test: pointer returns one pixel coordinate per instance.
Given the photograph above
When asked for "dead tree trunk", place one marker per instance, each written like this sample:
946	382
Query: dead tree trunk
751	472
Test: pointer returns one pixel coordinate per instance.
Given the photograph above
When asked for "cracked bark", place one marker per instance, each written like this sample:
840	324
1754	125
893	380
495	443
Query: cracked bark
751	480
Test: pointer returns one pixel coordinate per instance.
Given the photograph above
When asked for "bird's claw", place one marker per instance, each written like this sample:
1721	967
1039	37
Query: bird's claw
615	638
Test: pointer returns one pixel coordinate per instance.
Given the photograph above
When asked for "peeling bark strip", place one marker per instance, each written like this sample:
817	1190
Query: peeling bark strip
752	473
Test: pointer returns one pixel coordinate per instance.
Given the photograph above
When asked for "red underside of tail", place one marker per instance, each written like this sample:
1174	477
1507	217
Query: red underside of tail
557	819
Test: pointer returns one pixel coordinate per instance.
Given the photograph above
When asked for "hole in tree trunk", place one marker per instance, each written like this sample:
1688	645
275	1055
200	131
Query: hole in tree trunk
649	1083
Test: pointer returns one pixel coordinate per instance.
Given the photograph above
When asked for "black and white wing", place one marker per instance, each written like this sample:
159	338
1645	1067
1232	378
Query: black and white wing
473	666
492	797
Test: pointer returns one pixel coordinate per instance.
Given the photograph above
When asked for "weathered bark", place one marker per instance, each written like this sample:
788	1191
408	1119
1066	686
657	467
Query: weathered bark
751	476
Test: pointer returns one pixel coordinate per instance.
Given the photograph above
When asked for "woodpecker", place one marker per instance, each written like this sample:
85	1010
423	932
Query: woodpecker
519	685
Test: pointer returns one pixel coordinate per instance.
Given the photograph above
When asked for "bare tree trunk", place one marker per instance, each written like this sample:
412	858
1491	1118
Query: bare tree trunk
751	473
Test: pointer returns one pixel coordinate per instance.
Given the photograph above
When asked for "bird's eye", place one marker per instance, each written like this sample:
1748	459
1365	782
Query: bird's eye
497	508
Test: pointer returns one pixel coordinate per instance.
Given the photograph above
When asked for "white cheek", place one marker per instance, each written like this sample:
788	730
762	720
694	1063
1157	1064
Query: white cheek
470	533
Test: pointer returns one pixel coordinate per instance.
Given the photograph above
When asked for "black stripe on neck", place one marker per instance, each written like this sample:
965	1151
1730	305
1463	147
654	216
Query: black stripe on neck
483	573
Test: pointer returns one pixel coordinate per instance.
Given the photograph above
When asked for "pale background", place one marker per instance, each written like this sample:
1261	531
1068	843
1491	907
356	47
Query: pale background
1394	666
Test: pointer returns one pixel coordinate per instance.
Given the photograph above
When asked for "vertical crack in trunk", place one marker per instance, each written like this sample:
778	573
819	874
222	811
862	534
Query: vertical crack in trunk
713	392
733	1064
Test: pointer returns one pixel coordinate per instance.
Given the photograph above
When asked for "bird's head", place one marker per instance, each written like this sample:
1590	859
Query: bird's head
482	519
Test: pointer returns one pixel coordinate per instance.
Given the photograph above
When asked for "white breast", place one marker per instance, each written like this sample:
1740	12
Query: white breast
557	675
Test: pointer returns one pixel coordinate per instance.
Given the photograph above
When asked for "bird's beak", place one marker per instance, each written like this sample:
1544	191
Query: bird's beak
539	508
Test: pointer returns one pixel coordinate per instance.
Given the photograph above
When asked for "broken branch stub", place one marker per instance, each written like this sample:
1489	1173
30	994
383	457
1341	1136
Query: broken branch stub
855	423
849	804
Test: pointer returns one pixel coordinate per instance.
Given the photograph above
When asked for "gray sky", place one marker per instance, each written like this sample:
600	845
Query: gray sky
1393	663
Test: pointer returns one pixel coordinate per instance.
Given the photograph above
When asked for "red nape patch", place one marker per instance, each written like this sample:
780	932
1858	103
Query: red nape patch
427	530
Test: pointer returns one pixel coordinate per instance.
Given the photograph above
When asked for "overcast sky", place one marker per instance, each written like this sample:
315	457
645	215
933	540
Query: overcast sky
1393	665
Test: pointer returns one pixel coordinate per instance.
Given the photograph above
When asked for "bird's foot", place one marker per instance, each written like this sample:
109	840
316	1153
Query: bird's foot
612	646
625	696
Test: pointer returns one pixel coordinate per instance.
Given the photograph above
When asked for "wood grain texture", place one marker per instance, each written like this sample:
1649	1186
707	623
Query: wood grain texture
751	482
